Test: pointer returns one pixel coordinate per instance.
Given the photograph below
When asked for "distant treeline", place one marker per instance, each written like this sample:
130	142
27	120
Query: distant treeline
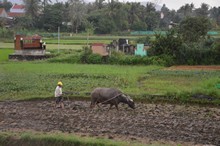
101	17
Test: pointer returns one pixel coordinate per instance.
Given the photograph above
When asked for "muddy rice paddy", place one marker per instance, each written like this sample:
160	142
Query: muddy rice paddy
172	124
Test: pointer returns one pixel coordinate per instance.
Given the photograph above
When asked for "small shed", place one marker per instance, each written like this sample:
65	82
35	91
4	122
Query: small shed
100	48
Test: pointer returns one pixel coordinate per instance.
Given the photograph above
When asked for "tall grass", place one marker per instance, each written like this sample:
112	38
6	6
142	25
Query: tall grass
4	53
28	80
58	139
25	80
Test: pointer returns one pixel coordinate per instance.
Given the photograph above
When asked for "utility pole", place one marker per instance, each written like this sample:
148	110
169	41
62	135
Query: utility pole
58	39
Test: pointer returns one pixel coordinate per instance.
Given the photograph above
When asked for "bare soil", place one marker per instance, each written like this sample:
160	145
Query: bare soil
163	123
195	67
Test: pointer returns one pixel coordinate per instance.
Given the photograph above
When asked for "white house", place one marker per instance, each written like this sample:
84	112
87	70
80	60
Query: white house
17	11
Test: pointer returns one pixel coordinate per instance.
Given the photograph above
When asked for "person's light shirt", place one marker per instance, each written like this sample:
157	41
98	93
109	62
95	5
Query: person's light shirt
58	91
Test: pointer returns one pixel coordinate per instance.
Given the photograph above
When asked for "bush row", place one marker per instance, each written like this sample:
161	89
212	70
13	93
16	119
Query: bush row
87	57
203	53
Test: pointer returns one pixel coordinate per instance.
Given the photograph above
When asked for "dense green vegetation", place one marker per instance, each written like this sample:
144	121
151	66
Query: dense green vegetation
28	80
102	17
4	54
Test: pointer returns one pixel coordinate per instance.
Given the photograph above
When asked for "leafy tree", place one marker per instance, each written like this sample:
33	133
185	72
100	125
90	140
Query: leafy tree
186	10
174	17
77	13
45	2
135	16
95	15
138	25
203	10
193	29
168	44
121	18
52	17
152	20
135	13
165	20
215	14
32	8
6	5
23	23
99	3
152	17
106	25
65	20
108	17
150	7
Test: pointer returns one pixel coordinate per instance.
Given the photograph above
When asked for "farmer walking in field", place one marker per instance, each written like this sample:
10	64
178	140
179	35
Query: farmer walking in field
58	95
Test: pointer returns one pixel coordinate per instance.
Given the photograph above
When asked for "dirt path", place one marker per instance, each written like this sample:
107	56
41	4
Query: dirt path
148	122
195	67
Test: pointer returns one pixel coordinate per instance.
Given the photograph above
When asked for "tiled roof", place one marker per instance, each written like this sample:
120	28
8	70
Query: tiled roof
17	11
18	6
11	14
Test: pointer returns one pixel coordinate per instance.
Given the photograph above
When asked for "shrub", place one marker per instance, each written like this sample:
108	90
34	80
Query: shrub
162	60
127	60
6	33
86	52
95	59
168	44
65	59
147	61
196	54
216	51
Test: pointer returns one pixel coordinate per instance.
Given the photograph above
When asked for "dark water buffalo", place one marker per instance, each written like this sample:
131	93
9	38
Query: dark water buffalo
110	96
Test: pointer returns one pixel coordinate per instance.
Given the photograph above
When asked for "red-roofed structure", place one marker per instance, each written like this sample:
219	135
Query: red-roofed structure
16	6
17	11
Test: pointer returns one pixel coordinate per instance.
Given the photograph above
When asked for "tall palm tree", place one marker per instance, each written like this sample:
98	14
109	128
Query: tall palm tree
77	13
203	10
186	10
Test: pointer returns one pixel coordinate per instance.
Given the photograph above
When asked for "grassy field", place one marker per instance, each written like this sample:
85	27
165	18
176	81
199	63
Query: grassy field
48	46
4	54
6	45
61	139
28	80
76	42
